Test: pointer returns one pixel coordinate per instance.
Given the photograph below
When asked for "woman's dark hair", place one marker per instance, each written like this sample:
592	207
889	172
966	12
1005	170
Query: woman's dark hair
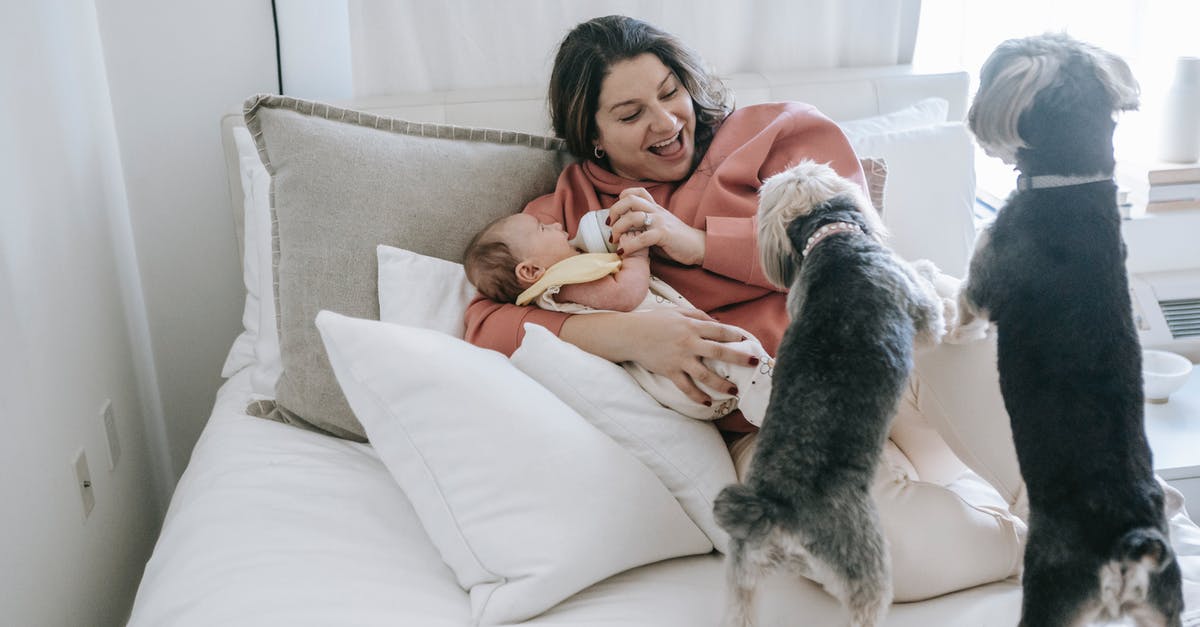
591	48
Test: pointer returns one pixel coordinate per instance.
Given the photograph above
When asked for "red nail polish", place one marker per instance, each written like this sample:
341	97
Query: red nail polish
708	403
621	251
733	391
753	361
608	220
610	238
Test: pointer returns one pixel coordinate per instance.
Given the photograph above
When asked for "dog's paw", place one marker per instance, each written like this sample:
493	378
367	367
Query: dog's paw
970	324
926	268
929	309
976	330
945	285
950	313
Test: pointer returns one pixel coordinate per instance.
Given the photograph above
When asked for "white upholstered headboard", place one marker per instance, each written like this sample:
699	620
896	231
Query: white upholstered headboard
842	94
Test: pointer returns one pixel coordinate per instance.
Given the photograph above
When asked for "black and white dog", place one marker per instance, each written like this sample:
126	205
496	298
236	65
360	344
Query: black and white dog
1050	274
856	311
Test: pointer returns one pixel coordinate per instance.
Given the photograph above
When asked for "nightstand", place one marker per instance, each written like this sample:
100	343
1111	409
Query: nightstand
1173	429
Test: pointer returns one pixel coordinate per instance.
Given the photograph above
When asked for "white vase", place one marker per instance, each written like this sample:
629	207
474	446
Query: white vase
1180	140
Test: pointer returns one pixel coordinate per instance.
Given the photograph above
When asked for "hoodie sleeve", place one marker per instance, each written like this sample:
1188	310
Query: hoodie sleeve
753	144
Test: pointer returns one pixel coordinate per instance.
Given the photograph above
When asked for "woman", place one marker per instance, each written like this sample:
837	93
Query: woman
679	170
641	112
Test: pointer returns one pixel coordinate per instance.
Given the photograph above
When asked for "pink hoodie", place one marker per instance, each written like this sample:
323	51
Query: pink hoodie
720	197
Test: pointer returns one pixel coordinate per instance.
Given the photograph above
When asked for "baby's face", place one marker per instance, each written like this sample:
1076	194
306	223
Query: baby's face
531	240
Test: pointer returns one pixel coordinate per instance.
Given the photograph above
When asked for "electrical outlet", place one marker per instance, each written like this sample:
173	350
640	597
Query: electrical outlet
84	479
110	434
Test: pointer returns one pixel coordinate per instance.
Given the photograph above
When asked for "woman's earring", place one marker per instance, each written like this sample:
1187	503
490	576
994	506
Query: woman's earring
598	151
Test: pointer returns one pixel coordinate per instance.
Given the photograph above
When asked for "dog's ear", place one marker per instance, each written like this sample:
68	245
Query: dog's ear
797	233
1009	80
1118	80
774	250
1090	79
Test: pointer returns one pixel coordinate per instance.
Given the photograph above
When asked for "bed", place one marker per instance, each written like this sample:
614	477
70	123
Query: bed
444	518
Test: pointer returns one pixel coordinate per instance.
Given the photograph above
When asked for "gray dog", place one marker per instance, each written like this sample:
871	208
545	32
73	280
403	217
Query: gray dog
856	310
1051	276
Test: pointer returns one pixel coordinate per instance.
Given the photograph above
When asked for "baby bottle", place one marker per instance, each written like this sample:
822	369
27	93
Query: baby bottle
593	233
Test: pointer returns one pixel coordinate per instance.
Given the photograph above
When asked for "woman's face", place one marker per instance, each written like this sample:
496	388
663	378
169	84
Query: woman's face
645	121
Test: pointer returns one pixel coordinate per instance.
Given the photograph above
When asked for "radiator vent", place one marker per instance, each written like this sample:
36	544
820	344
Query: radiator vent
1183	317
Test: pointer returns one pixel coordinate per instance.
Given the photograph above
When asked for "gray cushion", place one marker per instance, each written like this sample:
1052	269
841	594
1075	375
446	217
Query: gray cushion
343	182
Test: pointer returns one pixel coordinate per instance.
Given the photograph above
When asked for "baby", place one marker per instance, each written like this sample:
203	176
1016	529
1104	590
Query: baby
518	259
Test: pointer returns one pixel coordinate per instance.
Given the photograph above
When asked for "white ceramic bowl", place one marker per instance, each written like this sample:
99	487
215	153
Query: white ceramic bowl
1163	373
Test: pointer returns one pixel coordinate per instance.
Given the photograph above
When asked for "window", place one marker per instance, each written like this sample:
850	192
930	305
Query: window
1148	34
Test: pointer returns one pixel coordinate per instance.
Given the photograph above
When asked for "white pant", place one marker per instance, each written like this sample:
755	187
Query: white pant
951	525
947	529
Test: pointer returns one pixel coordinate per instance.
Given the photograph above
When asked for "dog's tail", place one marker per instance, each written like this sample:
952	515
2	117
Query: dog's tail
1139	555
743	513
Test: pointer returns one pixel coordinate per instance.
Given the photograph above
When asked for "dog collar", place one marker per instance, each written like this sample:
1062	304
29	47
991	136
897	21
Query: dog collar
1043	181
826	230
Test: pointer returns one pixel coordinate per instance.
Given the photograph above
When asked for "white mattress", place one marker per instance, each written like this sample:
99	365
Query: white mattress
272	525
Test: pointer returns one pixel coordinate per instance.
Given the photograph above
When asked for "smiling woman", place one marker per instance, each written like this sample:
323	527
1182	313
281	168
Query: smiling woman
654	131
645	127
611	70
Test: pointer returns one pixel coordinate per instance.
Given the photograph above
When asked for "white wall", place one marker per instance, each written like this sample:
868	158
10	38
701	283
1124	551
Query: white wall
173	69
314	45
68	330
118	278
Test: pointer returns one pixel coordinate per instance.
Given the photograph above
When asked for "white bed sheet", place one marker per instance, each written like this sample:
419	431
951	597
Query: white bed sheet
272	525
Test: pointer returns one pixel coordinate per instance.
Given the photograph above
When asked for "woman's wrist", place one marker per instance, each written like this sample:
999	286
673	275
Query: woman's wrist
596	333
695	246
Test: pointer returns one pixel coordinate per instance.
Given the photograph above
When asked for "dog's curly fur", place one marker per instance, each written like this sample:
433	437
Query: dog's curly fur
1051	276
856	310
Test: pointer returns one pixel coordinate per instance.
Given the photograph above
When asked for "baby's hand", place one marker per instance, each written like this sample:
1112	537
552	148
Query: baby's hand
642	252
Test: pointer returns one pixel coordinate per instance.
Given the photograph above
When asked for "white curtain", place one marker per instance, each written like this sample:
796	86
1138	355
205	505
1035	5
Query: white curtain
1148	34
417	45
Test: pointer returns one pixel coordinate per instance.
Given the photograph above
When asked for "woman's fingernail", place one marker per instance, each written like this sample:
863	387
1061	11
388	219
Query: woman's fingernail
733	391
620	251
708	403
610	238
608	220
753	361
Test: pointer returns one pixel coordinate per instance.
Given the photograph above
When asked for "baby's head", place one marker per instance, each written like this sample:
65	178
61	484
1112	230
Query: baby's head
512	253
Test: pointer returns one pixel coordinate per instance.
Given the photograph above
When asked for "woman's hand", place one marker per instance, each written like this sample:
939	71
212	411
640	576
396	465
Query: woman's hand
639	223
669	342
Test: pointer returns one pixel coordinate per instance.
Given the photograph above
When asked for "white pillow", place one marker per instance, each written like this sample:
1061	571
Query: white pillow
688	455
930	192
422	291
258	345
925	112
525	501
241	354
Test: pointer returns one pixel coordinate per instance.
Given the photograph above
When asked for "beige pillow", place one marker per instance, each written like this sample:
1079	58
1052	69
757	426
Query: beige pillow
343	182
